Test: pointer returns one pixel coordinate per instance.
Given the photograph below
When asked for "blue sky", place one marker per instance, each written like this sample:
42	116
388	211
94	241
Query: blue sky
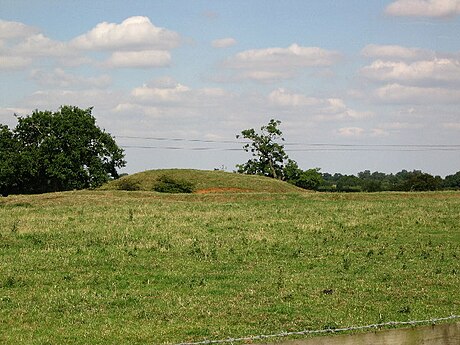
376	83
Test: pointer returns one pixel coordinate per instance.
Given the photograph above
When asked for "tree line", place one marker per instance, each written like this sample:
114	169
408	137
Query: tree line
270	159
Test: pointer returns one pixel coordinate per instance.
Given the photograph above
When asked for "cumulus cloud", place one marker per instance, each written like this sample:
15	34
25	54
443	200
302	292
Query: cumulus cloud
401	94
135	43
452	125
10	30
169	92
396	52
139	59
320	108
223	42
350	132
279	63
61	79
14	62
134	33
424	8
22	45
436	70
39	45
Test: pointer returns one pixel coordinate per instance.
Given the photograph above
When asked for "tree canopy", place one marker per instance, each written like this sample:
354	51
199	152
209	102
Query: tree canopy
268	154
56	151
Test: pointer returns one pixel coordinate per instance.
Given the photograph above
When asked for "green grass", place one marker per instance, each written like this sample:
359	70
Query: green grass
115	267
206	181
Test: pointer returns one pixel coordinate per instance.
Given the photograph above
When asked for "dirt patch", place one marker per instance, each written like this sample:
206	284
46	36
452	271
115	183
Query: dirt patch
222	190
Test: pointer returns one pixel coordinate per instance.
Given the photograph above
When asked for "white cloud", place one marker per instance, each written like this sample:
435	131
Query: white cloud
397	93
139	59
39	45
62	79
424	8
379	132
147	94
134	33
223	42
22	46
294	55
10	30
400	125
319	108
436	70
161	94
51	99
14	62
452	125
396	52
283	98
279	63
350	132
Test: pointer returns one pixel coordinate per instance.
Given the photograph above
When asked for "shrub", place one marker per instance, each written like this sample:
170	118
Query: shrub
127	184
166	184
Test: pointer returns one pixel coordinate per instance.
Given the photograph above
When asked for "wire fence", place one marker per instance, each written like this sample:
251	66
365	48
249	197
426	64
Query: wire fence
322	331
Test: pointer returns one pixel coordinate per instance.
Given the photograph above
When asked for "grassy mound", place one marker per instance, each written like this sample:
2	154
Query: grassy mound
204	181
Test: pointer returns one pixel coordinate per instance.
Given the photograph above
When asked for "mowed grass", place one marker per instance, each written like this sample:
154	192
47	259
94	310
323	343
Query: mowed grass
114	267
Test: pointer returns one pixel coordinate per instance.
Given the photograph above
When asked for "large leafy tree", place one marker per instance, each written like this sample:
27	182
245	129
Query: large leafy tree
268	154
57	151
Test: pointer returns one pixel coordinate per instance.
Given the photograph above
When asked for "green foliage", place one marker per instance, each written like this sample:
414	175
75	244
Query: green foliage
127	184
268	155
9	159
452	181
348	183
167	184
418	181
408	181
308	179
57	151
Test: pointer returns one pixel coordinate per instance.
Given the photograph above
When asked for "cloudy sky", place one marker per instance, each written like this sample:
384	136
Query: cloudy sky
357	84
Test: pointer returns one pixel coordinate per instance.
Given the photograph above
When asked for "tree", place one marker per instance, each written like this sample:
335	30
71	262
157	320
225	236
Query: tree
307	179
417	181
452	181
59	151
268	155
9	160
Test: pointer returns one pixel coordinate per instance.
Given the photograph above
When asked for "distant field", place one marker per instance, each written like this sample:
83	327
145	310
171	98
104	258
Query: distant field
115	267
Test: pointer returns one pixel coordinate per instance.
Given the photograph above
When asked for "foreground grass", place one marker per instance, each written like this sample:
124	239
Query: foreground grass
142	268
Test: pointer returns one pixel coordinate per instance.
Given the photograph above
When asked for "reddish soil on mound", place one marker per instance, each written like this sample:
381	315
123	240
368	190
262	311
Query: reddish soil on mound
221	190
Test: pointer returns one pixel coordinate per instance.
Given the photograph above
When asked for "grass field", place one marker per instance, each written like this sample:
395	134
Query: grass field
115	267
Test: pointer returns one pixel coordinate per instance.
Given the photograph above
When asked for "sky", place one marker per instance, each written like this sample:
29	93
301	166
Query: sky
357	85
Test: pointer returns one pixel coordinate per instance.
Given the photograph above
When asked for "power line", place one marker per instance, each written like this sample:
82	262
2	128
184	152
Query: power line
318	149
325	146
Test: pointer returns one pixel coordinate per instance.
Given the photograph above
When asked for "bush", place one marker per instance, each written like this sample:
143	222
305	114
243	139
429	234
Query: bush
166	184
127	184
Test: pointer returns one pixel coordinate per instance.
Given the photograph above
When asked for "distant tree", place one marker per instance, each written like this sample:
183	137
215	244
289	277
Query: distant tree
9	161
58	151
452	181
418	181
307	179
370	182
348	183
268	155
